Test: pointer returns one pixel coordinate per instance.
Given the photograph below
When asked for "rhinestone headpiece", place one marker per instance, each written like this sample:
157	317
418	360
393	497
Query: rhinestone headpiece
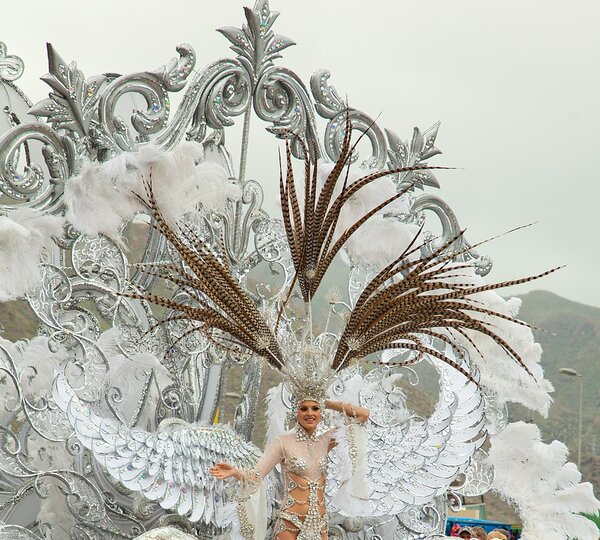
308	375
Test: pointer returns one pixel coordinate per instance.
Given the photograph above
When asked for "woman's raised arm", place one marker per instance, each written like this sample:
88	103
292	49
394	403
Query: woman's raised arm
360	413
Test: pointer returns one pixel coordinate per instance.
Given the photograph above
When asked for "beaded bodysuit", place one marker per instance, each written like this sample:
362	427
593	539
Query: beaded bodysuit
303	460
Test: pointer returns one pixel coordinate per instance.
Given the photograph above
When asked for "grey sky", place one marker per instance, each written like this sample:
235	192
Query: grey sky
515	83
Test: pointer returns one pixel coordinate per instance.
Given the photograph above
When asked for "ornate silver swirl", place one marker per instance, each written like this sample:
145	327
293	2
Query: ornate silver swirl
153	89
29	185
428	202
214	96
329	105
282	99
11	66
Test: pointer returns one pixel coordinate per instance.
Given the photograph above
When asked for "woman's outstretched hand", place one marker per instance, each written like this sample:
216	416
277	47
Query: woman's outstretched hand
223	471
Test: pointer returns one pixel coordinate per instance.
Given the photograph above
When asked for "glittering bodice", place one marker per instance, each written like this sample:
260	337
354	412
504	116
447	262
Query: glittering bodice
303	460
304	456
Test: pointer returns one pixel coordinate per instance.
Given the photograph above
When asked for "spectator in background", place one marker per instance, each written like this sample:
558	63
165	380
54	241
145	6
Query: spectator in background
479	533
466	532
498	534
455	529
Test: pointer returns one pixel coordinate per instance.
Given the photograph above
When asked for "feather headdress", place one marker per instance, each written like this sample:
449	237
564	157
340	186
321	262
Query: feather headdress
410	302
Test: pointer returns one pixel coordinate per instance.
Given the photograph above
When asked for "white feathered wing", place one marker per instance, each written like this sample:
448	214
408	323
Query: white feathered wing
415	462
171	466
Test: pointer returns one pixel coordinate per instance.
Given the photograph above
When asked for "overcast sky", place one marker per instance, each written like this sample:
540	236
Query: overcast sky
515	83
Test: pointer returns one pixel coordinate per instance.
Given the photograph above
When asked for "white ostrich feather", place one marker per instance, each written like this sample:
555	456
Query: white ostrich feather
276	412
380	240
213	187
25	235
545	489
102	197
97	205
500	374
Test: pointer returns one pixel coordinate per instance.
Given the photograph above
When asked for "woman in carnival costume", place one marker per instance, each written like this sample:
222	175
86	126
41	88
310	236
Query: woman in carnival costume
302	455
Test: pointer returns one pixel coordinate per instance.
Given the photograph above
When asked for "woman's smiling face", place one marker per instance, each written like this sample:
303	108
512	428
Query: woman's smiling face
309	415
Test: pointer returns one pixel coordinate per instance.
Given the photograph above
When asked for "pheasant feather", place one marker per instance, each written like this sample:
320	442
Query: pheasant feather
222	303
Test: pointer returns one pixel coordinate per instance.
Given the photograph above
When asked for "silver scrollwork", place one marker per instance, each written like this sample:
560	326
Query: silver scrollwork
100	337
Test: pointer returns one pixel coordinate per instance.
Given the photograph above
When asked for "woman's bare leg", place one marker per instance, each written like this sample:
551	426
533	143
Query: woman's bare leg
288	534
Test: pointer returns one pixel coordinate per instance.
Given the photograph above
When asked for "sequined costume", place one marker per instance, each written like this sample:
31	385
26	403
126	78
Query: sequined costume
303	459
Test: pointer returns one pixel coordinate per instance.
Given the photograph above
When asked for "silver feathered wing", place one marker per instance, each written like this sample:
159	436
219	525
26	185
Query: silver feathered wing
414	461
171	466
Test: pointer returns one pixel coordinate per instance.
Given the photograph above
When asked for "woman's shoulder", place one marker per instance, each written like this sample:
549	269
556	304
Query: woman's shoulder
283	439
287	437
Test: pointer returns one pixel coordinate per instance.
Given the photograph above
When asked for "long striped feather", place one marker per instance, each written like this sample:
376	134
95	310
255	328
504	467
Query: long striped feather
222	303
406	312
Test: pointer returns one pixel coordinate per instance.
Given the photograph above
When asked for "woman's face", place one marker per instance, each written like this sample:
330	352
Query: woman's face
309	415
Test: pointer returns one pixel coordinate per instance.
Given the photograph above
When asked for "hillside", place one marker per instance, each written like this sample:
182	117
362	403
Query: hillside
571	338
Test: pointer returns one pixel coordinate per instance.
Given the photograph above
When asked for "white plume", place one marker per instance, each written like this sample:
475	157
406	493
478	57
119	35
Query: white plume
381	239
276	412
96	205
101	198
500	374
25	235
545	489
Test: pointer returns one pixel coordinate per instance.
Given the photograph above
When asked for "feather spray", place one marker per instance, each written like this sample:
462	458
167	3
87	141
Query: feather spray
407	303
311	232
221	303
411	301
